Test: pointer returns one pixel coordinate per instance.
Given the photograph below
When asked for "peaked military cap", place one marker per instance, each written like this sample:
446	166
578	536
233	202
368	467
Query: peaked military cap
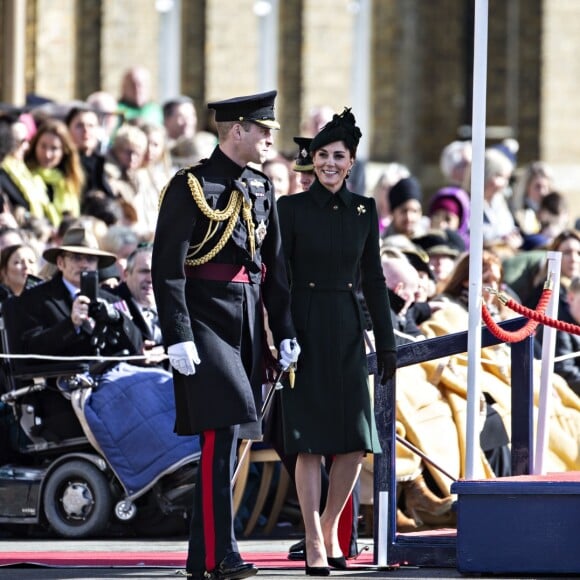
303	161
257	108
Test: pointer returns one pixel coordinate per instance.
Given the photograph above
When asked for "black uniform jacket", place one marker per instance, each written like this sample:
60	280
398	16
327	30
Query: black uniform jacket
330	242
225	319
43	324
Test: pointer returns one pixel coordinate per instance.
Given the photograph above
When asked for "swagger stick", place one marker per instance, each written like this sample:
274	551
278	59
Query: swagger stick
423	456
276	386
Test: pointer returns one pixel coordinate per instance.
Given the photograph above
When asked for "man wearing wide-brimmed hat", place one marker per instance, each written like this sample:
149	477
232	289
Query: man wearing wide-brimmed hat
56	319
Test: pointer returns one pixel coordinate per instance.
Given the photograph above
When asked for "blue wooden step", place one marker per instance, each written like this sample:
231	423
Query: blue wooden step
519	525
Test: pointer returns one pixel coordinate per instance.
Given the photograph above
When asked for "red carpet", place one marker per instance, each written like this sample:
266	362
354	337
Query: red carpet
277	560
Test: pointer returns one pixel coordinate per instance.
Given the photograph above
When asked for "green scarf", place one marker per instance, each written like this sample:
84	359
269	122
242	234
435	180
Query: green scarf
64	199
32	188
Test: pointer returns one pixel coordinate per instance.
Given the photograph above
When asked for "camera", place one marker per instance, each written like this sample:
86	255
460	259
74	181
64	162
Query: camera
99	310
89	285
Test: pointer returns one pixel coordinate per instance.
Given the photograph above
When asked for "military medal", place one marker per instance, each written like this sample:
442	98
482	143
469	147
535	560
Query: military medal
257	187
261	232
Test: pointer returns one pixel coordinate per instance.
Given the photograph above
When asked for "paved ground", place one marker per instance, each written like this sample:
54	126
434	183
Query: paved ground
179	545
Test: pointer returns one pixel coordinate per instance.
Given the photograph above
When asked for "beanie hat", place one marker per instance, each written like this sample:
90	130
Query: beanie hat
341	128
448	204
404	190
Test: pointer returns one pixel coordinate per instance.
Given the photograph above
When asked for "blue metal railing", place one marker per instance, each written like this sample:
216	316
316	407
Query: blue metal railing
436	550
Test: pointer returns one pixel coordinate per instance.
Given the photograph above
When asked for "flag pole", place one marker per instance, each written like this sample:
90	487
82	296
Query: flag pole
476	237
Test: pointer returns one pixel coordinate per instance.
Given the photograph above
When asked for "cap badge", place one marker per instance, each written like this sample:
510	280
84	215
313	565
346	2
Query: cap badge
261	232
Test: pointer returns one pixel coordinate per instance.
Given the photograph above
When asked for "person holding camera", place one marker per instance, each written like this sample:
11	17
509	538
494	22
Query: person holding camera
56	318
70	315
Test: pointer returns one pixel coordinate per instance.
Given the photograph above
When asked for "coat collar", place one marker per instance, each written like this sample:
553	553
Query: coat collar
59	294
228	167
322	196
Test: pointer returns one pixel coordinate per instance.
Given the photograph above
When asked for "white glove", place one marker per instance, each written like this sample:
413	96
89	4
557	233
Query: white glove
289	351
183	357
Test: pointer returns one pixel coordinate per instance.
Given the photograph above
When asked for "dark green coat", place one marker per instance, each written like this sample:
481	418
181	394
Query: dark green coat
330	243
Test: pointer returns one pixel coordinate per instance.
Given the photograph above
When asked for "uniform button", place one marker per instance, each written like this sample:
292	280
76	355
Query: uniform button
349	285
334	207
311	284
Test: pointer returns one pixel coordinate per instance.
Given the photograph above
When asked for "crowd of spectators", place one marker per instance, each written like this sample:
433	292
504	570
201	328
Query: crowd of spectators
101	164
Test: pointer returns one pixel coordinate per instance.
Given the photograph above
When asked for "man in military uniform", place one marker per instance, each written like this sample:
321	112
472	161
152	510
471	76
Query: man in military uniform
217	262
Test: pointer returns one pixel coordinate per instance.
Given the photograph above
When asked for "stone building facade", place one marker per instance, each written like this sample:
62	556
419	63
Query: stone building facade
419	62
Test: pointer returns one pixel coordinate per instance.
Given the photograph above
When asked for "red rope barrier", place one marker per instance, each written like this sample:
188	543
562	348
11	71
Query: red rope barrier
541	318
527	330
535	317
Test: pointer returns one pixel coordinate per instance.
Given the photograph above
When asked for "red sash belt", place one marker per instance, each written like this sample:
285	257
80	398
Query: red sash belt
219	272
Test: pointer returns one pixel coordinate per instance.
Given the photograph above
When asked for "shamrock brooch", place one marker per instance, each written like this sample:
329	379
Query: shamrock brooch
361	209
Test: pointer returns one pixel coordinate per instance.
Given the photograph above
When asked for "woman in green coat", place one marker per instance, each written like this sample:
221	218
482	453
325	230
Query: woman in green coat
330	239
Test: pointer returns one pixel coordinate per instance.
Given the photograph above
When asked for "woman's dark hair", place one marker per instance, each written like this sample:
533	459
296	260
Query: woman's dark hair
554	203
97	204
562	237
6	254
77	110
455	284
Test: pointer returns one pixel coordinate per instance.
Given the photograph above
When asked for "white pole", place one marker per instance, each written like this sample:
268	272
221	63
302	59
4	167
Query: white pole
476	238
267	12
383	530
360	72
169	49
548	348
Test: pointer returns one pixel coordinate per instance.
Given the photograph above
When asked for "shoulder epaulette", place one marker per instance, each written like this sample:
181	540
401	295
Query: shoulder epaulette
189	168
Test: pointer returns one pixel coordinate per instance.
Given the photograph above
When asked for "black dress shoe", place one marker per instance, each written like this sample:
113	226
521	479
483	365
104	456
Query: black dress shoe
337	563
296	551
232	567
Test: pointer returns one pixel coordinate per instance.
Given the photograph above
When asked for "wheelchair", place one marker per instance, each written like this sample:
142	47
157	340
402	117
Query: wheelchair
54	475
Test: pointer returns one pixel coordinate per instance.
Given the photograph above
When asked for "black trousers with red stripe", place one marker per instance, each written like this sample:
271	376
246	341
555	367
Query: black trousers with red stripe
211	534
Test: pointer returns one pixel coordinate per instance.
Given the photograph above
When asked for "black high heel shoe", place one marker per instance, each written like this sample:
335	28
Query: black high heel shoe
315	570
337	563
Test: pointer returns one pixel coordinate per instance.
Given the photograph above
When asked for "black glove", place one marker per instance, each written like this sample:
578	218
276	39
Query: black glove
386	365
104	312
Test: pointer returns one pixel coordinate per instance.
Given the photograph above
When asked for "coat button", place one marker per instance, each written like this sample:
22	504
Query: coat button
311	284
334	207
